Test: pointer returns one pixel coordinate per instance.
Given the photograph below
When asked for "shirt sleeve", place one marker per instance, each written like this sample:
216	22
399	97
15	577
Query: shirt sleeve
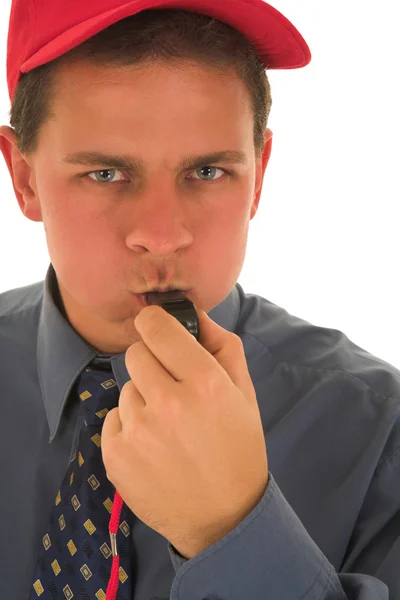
271	555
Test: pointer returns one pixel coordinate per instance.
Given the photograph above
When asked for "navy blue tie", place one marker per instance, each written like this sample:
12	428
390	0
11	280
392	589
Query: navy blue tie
75	553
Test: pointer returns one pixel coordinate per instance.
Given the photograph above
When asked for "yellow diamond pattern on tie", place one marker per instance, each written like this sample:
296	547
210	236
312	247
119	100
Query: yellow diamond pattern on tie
94	482
86	572
71	547
90	528
96	439
75	502
124	527
68	592
38	587
122	575
102	413
110	383
77	542
105	550
56	567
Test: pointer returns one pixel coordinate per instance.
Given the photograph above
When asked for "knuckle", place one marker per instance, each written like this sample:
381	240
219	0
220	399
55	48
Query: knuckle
136	347
238	344
236	339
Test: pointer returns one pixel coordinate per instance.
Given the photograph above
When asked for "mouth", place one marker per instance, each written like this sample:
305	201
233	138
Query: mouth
157	297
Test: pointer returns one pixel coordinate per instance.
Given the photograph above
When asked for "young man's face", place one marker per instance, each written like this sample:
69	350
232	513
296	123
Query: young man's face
112	233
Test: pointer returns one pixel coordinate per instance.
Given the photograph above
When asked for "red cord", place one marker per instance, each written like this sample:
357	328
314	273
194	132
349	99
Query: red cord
113	529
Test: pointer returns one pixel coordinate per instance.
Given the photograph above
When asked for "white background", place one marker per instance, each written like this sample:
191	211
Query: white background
324	244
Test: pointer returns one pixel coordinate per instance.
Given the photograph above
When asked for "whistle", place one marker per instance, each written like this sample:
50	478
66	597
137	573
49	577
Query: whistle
179	307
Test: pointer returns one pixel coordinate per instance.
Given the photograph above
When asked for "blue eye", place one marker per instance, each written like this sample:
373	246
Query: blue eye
107	174
212	169
103	171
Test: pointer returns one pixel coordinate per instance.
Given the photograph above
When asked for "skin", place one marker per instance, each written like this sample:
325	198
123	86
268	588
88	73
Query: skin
107	240
189	412
185	447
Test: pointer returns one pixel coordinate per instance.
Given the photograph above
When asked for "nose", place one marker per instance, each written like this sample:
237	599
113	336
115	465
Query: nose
160	225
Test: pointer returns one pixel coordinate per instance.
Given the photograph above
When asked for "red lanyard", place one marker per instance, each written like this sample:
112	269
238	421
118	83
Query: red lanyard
113	529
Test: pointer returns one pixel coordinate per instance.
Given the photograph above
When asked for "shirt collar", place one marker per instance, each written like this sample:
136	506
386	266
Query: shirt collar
62	353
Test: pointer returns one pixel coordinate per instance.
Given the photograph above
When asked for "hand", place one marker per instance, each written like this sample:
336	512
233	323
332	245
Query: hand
185	448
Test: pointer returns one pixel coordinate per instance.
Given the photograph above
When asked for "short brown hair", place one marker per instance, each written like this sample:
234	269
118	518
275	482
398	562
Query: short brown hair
166	35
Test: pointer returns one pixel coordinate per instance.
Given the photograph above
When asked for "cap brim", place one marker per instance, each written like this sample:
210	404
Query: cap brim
274	38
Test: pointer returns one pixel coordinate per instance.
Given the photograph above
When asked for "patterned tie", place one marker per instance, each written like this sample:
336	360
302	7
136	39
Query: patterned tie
75	555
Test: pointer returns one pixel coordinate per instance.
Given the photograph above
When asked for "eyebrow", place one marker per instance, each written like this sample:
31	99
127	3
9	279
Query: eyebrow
121	161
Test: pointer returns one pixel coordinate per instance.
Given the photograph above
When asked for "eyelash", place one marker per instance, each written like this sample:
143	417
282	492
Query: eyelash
103	183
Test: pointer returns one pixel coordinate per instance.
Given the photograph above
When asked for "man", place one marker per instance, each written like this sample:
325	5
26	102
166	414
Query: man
258	462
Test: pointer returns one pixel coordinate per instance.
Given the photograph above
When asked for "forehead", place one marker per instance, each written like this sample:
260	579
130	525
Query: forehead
140	108
178	84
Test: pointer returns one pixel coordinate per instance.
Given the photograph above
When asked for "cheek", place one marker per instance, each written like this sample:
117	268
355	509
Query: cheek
72	226
80	243
76	236
230	228
222	247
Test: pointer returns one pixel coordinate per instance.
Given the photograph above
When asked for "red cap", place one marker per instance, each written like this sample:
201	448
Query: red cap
42	30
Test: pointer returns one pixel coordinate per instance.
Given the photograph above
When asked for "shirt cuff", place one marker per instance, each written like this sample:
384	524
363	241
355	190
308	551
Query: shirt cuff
268	555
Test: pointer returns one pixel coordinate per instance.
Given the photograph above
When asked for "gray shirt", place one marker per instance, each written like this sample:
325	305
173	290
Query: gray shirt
328	525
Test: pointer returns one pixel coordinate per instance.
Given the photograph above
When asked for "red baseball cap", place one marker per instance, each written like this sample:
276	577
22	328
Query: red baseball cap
42	30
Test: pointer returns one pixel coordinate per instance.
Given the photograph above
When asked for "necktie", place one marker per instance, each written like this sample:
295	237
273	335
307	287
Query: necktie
75	554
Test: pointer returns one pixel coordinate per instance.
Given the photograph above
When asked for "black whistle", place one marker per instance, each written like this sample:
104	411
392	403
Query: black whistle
179	307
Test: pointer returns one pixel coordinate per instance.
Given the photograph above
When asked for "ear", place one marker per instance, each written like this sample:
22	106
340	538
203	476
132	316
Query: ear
21	174
260	171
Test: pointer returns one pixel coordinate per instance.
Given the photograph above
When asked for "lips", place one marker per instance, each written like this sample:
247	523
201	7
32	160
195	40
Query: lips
159	297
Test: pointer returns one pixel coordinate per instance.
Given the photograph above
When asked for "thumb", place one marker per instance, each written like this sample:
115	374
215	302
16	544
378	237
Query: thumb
227	348
112	426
